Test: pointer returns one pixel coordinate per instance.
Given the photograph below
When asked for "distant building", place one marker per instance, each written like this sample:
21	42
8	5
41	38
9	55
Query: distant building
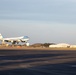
60	45
73	46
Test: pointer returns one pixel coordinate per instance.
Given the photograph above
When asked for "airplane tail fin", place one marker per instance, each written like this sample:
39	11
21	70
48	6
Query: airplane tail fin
1	36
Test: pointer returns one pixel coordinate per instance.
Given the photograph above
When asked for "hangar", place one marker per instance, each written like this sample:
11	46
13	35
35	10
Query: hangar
60	45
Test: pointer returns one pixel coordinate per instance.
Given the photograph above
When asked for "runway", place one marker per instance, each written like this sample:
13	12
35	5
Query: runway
37	62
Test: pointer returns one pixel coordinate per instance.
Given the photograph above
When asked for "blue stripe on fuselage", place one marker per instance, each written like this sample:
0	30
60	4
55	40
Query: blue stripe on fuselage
25	37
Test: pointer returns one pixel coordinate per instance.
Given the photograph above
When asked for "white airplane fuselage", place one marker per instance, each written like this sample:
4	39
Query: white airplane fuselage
14	40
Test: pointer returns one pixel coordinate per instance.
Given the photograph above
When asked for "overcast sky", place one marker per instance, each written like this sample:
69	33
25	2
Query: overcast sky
44	21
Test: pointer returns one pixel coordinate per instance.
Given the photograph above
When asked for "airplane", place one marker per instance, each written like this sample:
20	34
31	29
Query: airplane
14	40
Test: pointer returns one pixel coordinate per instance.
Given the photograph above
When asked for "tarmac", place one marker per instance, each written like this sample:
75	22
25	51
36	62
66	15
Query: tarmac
37	62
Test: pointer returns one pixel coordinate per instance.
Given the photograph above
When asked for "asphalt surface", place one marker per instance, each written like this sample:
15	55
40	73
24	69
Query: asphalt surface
37	62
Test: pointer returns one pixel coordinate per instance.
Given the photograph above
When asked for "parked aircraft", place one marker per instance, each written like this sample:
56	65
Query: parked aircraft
14	40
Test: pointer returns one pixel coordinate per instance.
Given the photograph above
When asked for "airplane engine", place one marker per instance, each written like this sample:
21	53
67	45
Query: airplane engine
6	41
15	42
